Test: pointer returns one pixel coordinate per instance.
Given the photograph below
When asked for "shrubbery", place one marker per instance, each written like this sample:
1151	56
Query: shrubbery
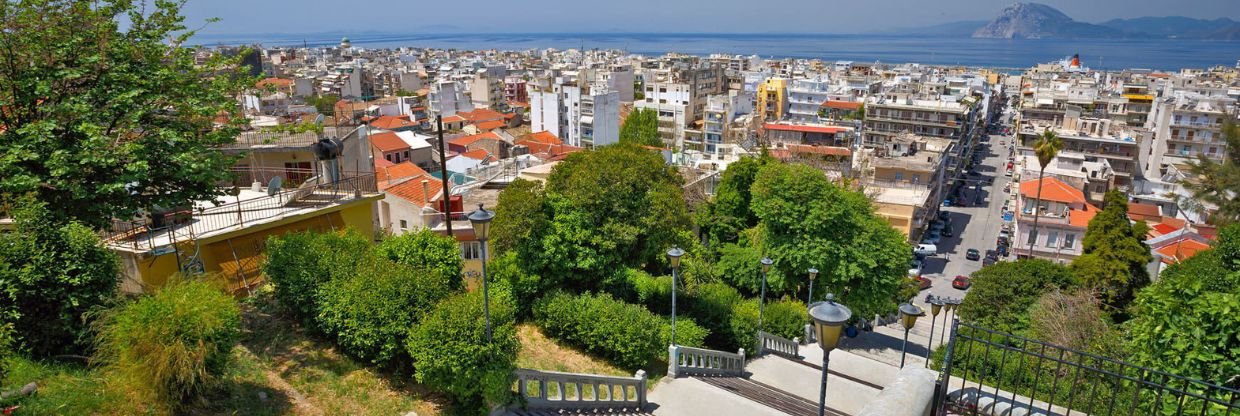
786	318
427	250
172	345
300	263
711	306
525	287
624	333
450	350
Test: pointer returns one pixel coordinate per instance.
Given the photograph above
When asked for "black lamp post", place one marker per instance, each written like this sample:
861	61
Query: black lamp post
766	266
673	257
481	220
813	275
829	319
936	306
908	316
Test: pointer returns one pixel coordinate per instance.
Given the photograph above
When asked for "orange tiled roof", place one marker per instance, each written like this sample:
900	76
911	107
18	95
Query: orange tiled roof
387	142
489	125
477	154
391	122
547	150
843	105
468	140
1053	189
1181	250
1163	228
482	114
544	137
274	82
820	150
412	190
1080	217
453	119
400	170
1138	211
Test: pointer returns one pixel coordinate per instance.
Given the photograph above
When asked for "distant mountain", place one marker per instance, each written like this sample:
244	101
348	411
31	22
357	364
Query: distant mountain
1178	27
1034	20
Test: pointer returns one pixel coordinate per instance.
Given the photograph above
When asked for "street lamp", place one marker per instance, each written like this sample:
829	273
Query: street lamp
908	316
766	266
936	306
481	220
829	319
813	275
673	257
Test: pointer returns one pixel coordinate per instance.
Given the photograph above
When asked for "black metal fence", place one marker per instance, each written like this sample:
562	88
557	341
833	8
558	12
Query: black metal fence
988	372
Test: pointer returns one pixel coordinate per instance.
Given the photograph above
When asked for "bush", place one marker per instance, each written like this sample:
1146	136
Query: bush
451	354
51	275
173	345
427	250
525	287
688	332
654	292
711	305
627	334
6	348
370	312
1003	292
786	318
300	263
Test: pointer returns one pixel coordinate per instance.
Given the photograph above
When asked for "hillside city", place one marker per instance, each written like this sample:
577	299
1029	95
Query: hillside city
354	230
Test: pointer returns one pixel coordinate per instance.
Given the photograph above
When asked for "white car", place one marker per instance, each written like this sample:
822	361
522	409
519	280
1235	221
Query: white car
926	250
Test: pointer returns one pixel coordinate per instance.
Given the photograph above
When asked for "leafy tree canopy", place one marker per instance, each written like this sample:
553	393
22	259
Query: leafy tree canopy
1003	292
1217	183
730	211
100	120
641	128
1114	255
519	213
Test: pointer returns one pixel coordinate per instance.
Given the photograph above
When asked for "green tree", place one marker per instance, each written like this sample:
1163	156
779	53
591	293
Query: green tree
1046	148
50	277
451	353
437	254
615	207
1185	322
174	345
1114	256
300	264
1003	292
641	128
103	119
730	212
1217	182
808	221
325	104
520	211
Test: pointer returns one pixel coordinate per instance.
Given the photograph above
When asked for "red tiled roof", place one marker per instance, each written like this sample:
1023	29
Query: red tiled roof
547	150
489	125
412	190
468	140
477	154
843	105
391	123
805	128
1181	250
387	142
1053	189
453	119
819	150
400	170
482	114
542	137
1138	211
1162	228
1080	217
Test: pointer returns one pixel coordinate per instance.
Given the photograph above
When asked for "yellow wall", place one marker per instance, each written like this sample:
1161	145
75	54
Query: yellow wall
899	217
772	91
889	174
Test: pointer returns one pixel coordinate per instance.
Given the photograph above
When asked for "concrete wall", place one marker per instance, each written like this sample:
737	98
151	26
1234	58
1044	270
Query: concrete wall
912	394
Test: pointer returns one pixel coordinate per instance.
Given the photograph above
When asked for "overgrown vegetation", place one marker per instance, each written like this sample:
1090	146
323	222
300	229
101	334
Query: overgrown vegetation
624	333
451	352
641	128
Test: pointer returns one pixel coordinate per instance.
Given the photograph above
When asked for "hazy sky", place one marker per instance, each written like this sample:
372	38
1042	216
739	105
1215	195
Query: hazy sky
737	16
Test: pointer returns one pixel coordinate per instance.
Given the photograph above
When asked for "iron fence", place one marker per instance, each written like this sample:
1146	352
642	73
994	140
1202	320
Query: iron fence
989	372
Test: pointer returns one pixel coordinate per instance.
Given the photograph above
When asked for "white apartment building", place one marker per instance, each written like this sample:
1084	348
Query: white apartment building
1186	126
448	98
584	117
678	95
486	89
805	97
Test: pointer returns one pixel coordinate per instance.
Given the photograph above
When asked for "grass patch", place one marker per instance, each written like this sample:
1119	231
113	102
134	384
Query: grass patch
538	352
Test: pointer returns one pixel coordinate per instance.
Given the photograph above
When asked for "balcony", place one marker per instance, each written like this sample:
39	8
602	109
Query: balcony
1045	216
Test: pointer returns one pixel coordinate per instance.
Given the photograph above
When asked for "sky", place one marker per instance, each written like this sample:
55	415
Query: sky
677	16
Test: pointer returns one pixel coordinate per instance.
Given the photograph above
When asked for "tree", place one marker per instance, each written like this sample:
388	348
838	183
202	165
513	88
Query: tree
615	207
50	276
324	104
520	211
808	221
1073	319
1003	292
437	254
1114	256
729	212
1046	148
102	121
641	128
1185	322
451	353
1217	182
299	264
174	345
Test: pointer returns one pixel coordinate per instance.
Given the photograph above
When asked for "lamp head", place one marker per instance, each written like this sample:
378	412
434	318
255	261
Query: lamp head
766	264
481	220
673	256
829	319
813	273
909	314
936	305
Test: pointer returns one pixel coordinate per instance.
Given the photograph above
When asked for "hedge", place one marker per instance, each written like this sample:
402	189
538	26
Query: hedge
786	318
711	306
299	263
451	354
624	333
427	250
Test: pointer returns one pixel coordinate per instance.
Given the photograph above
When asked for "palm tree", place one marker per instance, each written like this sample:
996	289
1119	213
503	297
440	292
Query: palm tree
1046	147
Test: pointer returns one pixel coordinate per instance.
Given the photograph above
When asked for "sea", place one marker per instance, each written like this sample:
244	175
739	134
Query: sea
1009	54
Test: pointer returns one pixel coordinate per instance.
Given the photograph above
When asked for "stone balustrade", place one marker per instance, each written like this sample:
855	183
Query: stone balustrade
689	361
776	344
557	390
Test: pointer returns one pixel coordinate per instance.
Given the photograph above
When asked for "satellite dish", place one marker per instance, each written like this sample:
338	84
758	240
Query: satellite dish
273	187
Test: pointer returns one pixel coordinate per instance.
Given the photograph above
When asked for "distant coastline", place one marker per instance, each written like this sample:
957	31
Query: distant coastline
1156	54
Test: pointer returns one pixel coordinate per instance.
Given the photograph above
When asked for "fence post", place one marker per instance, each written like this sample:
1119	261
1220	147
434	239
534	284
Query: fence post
741	353
673	355
641	389
940	392
809	334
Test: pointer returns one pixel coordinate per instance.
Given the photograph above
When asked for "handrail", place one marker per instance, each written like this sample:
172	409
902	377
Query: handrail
587	390
768	342
699	361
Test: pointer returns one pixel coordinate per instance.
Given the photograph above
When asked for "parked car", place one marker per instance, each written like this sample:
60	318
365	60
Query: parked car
961	282
1002	250
989	261
972	254
931	237
991	254
945	216
947	202
926	250
936	226
947	232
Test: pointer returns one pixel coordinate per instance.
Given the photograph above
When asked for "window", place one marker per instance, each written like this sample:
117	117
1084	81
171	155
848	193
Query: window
1069	240
471	250
1033	236
1052	238
404	225
899	176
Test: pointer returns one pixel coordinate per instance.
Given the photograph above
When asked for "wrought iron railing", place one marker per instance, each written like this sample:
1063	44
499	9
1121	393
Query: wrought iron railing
990	372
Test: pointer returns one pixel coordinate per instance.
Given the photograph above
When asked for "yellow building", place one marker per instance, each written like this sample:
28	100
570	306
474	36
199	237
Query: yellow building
229	238
772	99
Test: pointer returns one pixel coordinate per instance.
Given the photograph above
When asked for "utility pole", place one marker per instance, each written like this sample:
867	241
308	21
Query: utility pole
443	175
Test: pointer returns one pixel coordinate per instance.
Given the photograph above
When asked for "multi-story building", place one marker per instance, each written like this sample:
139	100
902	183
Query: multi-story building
1063	215
678	94
907	180
1120	145
772	99
487	88
448	98
1187	126
583	116
514	89
806	98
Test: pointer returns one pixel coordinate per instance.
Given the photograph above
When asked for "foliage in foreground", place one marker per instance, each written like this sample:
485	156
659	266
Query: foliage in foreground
298	264
173	345
642	128
50	277
1114	257
451	353
1003	292
624	333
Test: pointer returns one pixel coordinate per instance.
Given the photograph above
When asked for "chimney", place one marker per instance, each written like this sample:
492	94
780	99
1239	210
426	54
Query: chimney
426	190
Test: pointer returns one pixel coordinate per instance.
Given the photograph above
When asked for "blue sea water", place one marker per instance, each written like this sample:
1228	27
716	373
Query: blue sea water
1161	54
